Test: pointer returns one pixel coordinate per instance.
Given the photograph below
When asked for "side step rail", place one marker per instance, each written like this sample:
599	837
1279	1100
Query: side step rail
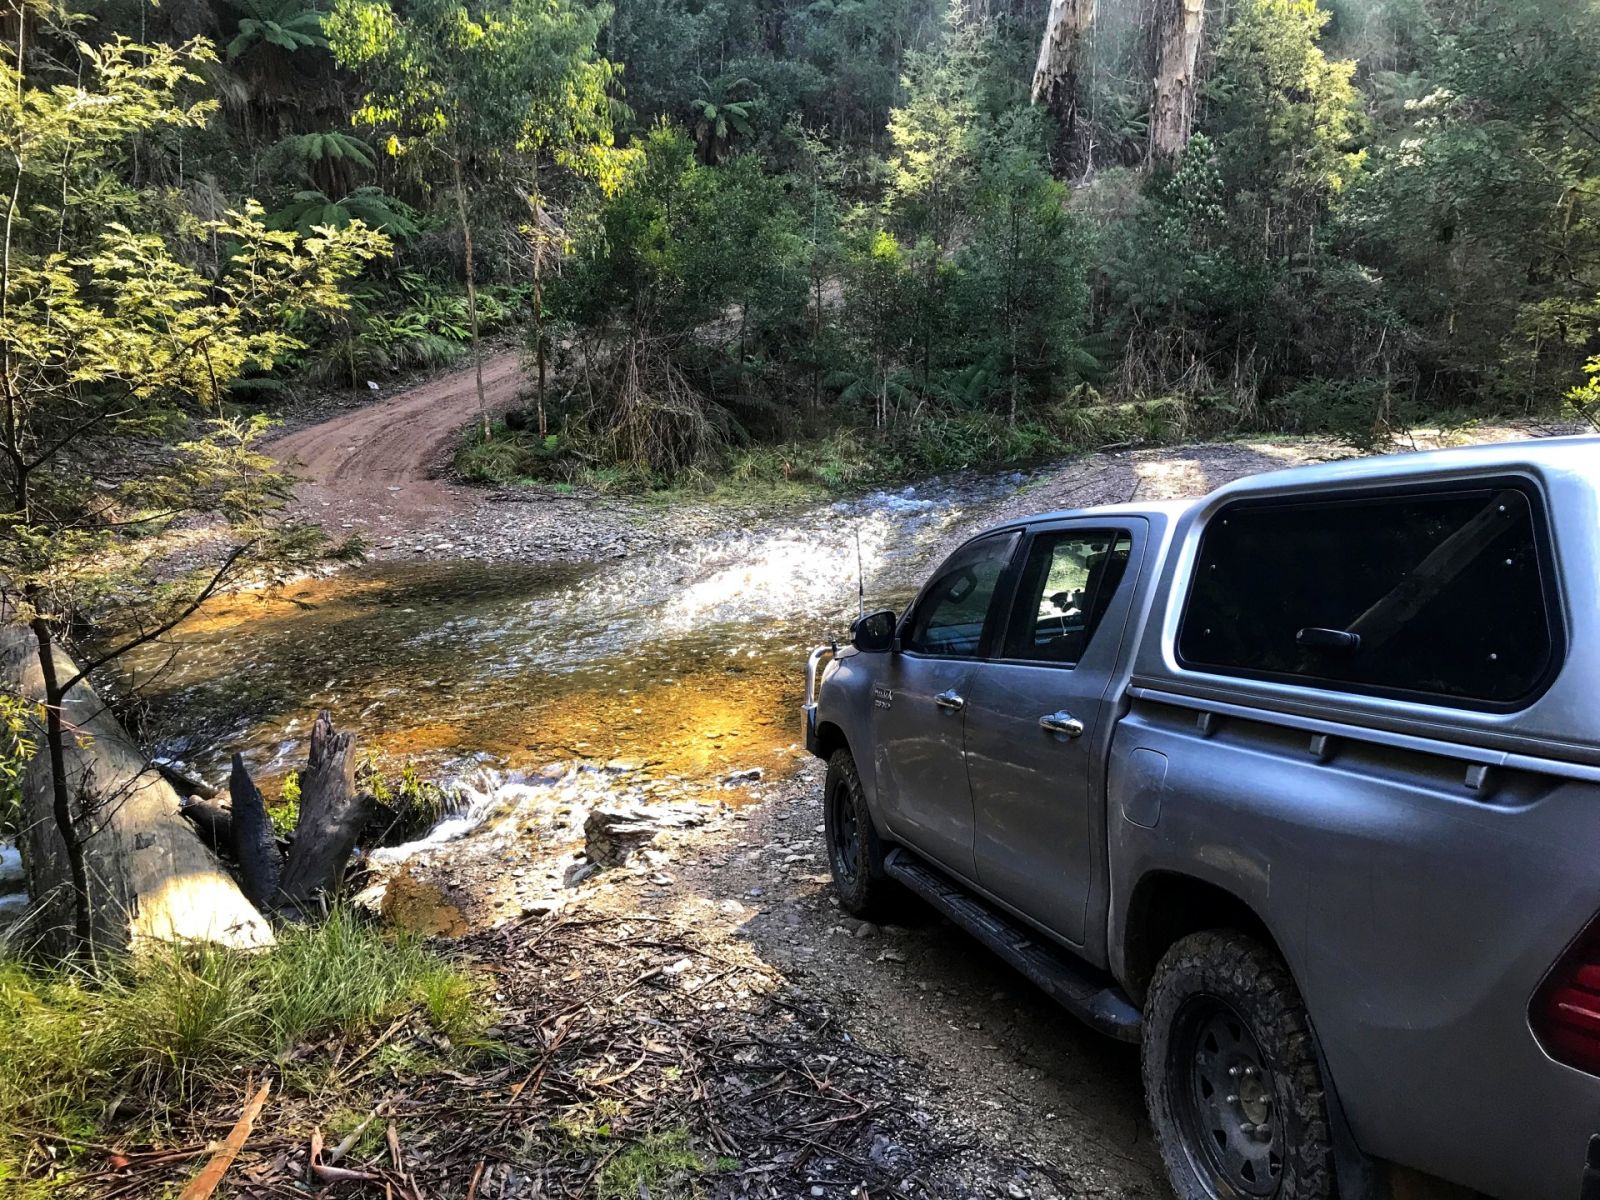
1090	995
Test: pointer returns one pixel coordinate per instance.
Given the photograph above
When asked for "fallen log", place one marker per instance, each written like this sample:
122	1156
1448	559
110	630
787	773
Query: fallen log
186	785
332	815
212	822
150	878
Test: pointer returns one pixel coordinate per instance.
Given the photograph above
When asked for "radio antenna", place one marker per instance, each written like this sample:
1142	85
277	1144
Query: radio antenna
861	578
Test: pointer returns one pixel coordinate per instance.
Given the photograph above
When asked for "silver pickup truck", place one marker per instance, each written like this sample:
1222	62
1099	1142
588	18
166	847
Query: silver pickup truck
1297	785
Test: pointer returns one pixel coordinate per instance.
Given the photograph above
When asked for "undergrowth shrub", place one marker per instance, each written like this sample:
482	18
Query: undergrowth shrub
408	805
510	455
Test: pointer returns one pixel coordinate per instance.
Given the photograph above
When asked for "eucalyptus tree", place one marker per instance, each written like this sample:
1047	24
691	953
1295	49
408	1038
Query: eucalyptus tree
477	85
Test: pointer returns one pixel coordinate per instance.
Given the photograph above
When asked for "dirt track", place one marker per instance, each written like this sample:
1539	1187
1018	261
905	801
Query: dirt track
382	471
386	458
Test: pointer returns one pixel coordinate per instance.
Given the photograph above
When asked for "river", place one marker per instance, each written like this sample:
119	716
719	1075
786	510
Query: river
687	659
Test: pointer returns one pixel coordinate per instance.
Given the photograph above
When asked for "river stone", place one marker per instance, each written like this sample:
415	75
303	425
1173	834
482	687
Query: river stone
419	906
12	877
612	833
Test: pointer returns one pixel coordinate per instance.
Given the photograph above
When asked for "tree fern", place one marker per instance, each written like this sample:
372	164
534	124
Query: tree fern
370	205
286	24
327	161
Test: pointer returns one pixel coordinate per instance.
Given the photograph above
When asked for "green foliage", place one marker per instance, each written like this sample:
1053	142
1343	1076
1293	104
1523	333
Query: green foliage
370	207
842	214
409	804
1480	208
1224	277
1284	117
285	814
676	328
724	110
478	81
19	721
117	328
1023	292
328	161
509	456
935	134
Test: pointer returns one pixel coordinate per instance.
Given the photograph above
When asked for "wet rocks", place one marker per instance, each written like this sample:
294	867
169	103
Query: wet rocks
613	833
13	884
12	878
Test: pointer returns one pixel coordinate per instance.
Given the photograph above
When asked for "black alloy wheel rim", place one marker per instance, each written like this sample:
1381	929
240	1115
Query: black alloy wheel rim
1223	1098
845	842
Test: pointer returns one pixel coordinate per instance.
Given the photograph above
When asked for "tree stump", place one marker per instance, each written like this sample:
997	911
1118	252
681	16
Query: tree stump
255	848
332	815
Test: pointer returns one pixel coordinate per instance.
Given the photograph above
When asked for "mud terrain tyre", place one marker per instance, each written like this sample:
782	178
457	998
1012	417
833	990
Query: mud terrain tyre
1231	1077
855	856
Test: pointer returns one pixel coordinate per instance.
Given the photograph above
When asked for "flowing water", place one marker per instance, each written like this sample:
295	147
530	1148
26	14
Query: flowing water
687	661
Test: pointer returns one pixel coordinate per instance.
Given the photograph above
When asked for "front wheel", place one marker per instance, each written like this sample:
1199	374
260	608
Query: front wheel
1231	1076
854	854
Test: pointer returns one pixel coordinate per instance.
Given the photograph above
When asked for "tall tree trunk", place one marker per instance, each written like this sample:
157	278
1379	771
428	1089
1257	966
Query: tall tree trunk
1180	26
538	293
538	340
1055	76
472	294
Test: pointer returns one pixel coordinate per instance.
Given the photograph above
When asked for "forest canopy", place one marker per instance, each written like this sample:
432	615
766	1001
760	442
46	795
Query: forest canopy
898	235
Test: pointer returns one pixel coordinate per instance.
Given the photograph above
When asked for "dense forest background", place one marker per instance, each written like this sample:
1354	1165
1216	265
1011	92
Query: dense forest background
839	238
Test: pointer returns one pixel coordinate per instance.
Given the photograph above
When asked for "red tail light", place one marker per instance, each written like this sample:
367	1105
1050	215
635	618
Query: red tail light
1566	1010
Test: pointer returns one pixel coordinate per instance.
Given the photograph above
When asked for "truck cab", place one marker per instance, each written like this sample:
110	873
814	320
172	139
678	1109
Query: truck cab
1297	785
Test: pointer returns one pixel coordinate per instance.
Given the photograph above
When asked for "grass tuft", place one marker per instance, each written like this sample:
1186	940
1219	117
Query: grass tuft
177	1020
661	1165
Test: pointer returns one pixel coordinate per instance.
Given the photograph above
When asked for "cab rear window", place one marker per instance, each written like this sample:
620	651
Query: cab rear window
1438	594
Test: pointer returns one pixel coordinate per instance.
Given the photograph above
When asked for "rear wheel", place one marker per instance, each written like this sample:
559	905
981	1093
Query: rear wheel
1231	1075
855	855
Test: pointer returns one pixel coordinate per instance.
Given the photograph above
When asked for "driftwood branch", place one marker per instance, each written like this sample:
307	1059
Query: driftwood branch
203	1184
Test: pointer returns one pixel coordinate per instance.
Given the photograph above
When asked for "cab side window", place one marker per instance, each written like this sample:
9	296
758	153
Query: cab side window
1067	584
950	618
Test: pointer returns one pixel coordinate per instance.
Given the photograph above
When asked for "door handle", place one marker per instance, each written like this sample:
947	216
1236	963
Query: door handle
950	701
1061	722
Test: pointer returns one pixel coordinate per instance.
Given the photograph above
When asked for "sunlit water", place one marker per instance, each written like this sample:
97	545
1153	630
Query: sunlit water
687	660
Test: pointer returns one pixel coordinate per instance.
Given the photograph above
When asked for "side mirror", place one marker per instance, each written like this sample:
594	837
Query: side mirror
873	633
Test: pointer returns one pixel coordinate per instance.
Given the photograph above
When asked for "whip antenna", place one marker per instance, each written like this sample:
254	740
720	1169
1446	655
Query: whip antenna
861	578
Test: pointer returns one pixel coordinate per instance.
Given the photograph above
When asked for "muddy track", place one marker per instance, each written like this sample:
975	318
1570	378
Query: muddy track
387	457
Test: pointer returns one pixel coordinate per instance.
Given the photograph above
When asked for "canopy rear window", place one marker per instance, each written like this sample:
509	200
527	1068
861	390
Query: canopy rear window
1437	594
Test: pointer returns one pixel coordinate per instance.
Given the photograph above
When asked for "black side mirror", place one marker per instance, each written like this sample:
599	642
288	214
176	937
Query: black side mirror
873	633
